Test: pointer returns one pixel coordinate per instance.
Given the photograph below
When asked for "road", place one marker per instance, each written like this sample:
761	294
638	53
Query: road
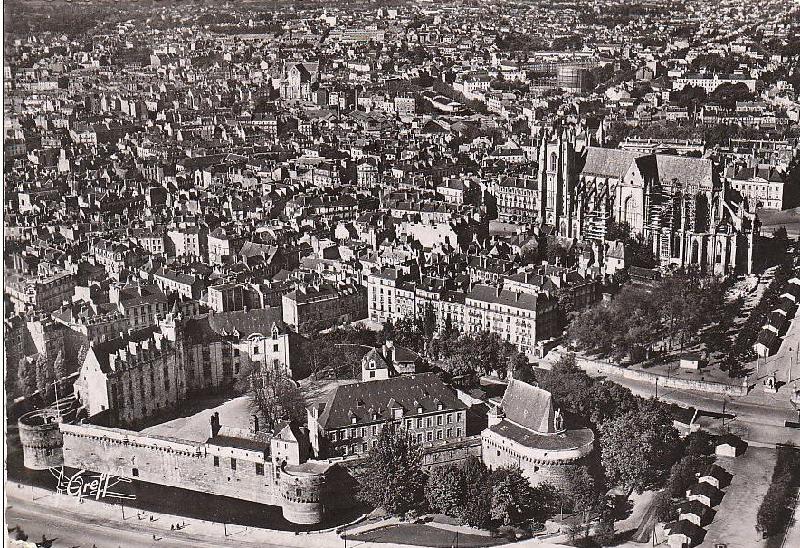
70	529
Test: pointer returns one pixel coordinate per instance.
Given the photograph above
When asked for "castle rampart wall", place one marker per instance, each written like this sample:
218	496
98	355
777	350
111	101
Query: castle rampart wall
217	470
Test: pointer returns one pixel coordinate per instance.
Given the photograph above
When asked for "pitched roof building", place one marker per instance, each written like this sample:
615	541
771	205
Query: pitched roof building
529	431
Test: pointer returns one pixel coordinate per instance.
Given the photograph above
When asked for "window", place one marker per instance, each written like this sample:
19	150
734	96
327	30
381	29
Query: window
216	461
274	347
259	469
233	464
429	436
255	350
458	432
419	423
438	434
449	418
429	422
438	420
135	472
419	438
449	432
374	430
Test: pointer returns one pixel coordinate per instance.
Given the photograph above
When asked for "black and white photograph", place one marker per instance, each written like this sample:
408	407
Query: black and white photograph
401	273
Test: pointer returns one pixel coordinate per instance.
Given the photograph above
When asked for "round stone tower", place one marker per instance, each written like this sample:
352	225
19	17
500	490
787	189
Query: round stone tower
301	493
41	439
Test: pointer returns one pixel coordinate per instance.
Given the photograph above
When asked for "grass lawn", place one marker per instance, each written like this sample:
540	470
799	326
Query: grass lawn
424	535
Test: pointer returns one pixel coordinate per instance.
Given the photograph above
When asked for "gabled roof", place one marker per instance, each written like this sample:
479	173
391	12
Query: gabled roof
608	162
529	407
364	399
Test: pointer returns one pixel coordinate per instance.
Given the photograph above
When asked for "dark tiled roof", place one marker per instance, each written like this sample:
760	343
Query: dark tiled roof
104	349
247	322
529	407
608	162
489	294
570	439
364	398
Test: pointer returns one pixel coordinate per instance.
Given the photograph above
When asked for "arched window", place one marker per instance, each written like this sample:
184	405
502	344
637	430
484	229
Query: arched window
553	161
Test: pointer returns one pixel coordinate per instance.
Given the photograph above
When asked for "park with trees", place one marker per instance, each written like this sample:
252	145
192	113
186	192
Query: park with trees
638	450
667	315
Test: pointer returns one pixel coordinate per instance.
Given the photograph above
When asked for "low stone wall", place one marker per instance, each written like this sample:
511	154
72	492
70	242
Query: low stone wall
612	370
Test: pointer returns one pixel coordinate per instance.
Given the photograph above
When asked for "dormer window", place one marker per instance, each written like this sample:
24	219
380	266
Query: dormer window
353	419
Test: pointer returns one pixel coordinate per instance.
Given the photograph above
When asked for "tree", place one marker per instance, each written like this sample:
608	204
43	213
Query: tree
579	491
26	377
683	474
275	396
44	376
445	490
604	533
727	95
662	506
512	496
699	443
521	368
59	368
476	508
690	97
638	447
428	321
392	477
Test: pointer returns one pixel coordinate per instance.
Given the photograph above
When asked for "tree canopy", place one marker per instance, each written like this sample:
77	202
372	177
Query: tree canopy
392	477
638	447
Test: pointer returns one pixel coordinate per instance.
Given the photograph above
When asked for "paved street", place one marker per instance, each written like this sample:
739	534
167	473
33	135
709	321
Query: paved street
57	516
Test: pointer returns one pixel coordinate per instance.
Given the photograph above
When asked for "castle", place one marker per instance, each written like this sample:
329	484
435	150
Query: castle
288	465
678	204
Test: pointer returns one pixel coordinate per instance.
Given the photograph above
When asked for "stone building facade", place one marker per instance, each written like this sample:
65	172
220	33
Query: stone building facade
349	422
678	204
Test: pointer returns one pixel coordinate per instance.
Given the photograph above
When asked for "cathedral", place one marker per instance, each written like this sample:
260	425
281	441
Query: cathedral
678	204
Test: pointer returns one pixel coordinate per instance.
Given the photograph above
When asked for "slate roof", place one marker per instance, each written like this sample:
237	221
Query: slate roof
247	322
608	162
364	398
569	439
490	294
103	350
529	407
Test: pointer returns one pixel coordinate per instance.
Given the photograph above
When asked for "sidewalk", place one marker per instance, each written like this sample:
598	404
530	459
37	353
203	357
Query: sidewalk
202	530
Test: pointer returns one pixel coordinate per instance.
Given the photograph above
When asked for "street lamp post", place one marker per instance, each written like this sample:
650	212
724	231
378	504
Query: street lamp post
724	401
